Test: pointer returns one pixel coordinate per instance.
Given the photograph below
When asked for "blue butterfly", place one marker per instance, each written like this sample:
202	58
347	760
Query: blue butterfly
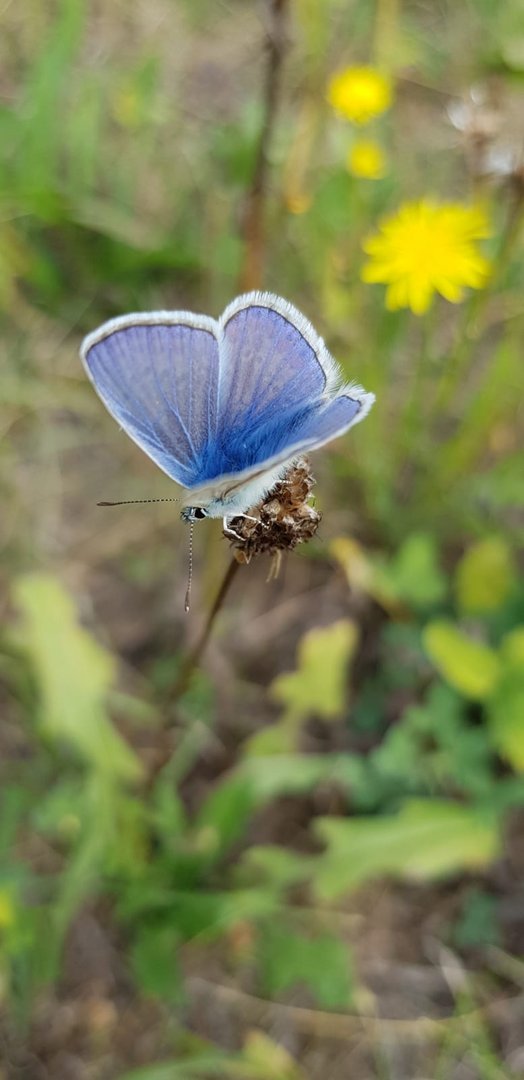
222	406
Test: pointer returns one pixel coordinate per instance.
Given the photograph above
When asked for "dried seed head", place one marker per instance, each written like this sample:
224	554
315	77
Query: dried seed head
491	135
475	116
283	520
506	164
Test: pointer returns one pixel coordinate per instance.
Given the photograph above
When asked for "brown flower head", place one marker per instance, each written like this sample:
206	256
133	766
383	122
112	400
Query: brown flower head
283	520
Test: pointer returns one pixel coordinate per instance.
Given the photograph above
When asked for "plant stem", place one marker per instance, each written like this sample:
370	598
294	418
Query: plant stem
386	31
412	418
470	335
253	228
194	656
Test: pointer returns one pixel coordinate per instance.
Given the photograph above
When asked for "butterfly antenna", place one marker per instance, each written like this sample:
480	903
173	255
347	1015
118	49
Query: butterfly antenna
131	502
190	567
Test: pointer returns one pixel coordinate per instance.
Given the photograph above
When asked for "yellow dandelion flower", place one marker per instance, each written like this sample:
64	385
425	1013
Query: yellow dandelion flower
425	248
366	159
360	93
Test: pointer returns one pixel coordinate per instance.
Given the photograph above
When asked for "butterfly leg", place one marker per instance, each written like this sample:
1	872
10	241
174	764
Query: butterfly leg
231	532
248	517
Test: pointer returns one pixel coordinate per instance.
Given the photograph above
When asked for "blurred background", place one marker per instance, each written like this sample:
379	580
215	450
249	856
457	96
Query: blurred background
303	856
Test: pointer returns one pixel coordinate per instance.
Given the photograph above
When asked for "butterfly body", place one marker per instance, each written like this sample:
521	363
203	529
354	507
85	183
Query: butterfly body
234	498
222	406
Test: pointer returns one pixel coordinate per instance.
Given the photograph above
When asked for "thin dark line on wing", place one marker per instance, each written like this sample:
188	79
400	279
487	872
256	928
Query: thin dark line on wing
146	322
355	400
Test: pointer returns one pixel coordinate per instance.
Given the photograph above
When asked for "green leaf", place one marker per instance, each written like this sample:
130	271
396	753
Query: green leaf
485	576
470	666
275	739
74	674
512	649
415	573
294	774
321	963
225	814
98	807
204	913
506	719
41	123
168	812
435	748
155	965
275	867
427	839
318	686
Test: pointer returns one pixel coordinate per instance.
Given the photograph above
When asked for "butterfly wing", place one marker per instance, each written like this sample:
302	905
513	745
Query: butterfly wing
157	374
277	391
215	403
270	356
319	425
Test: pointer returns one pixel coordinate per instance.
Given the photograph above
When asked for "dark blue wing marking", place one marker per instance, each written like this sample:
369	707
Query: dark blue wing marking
246	446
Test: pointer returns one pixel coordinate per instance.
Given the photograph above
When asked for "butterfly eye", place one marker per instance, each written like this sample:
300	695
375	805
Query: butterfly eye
193	513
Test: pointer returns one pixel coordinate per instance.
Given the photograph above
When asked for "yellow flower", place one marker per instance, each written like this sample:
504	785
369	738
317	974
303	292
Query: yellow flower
360	93
425	248
367	160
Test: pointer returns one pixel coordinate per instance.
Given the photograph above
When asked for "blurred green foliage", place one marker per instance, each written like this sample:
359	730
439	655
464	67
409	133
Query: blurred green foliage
171	874
74	675
124	166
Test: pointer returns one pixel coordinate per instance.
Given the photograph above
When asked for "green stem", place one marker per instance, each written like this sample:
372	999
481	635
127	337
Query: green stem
410	416
471	329
422	363
176	757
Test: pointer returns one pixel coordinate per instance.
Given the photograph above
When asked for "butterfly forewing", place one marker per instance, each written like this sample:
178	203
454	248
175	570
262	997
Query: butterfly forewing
159	379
